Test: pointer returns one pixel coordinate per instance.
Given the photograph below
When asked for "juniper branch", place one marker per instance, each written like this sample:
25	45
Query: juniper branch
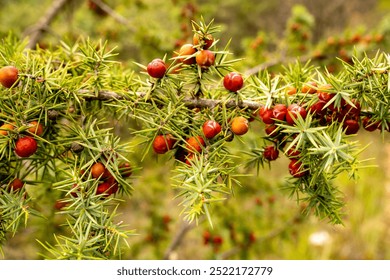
190	102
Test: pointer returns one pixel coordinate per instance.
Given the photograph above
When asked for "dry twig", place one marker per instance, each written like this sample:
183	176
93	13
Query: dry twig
178	238
36	31
108	10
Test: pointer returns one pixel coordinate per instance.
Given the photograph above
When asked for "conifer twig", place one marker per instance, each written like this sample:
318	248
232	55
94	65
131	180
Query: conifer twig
39	28
108	10
178	238
190	102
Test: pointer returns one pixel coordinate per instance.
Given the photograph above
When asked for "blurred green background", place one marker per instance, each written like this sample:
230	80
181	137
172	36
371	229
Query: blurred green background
260	221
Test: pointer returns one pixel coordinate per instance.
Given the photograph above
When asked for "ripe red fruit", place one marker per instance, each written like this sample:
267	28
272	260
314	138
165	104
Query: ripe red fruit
166	219
36	128
324	94
239	125
279	112
233	81
351	126
293	153
318	108
204	41
76	190
25	146
125	169
157	68
217	240
16	184
96	9
187	50
293	111
188	158
205	58
163	143
252	237
271	199
99	170
266	115
272	130
8	76
211	128
206	237
295	26
114	186
271	153
296	169
103	188
60	204
369	124
352	111
195	144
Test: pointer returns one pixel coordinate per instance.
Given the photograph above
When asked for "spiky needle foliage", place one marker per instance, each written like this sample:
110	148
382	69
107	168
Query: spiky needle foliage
75	91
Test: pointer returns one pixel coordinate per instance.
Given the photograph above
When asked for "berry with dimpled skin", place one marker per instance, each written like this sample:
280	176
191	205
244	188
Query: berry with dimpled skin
351	126
233	81
157	68
351	111
271	153
163	143
25	146
324	93
325	96
295	168
293	111
8	76
205	41
369	125
211	128
266	115
279	112
239	125
318	108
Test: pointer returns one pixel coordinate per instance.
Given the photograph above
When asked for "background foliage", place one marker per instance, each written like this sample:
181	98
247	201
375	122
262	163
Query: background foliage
260	221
